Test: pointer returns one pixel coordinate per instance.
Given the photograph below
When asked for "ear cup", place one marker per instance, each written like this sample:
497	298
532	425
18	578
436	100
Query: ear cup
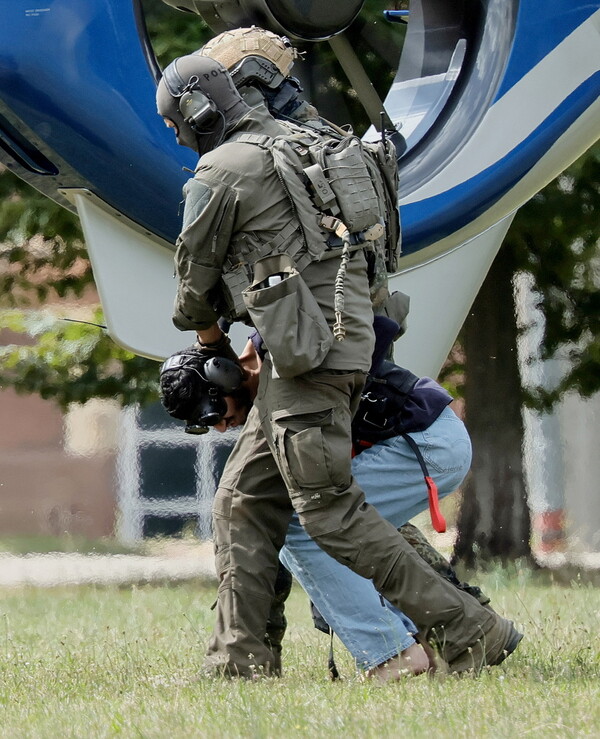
197	109
224	373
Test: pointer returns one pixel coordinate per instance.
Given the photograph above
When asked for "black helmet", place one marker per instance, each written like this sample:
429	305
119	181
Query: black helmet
198	95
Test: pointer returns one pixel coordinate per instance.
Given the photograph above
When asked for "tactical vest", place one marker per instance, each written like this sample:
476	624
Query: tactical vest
333	183
379	417
381	403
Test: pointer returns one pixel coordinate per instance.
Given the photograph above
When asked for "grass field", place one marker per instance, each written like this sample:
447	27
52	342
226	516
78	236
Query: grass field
93	662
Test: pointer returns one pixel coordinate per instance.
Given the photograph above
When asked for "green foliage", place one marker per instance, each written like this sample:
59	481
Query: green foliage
25	212
72	362
107	662
41	247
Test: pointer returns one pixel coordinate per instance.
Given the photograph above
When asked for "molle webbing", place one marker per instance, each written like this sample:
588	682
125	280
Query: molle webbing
334	169
289	168
330	186
246	251
329	174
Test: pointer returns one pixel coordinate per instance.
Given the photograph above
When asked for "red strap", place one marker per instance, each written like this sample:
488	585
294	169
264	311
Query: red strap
358	447
438	521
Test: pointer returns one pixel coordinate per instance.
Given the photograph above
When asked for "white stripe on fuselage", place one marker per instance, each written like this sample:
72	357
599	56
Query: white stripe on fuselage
522	108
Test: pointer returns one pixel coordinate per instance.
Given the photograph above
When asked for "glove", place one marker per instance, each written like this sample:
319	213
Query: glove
221	348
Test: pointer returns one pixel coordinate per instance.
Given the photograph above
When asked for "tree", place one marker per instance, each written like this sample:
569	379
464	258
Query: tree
555	238
494	516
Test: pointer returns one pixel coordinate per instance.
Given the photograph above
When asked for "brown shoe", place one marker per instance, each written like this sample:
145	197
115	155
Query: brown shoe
491	649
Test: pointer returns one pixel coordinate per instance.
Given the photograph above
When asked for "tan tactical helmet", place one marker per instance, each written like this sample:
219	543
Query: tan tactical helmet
230	47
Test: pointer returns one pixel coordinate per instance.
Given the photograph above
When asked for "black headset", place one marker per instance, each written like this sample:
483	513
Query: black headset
197	109
219	377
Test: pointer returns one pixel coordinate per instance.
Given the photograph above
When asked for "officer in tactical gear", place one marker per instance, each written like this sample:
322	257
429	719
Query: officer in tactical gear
260	63
294	450
381	640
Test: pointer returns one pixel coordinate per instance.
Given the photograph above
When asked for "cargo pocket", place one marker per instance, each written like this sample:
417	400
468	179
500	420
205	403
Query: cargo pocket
221	506
289	320
306	459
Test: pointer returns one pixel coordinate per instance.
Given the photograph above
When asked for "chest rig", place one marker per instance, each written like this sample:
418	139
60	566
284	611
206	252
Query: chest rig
340	202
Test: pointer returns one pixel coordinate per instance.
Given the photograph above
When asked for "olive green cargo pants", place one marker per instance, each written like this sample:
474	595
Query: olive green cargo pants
299	430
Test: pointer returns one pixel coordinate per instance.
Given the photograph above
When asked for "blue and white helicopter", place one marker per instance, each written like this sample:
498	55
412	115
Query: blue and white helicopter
494	98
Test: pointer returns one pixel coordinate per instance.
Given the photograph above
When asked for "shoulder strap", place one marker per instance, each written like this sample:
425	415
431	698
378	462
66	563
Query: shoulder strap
290	169
397	379
258	139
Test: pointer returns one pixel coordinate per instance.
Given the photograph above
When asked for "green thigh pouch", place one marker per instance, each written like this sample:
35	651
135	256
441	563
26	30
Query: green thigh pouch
314	458
287	316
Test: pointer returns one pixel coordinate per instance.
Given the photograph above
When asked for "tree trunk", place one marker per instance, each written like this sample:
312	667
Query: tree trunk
494	519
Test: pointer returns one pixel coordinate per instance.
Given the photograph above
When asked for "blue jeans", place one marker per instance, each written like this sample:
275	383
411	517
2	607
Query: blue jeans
389	474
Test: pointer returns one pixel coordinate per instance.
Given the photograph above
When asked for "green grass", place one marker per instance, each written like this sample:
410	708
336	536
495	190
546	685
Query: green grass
92	662
40	544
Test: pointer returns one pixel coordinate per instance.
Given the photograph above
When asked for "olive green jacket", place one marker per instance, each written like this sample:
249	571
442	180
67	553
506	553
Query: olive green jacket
236	197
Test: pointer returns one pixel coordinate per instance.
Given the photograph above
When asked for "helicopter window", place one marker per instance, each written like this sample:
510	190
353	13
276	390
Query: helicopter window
414	105
409	54
435	64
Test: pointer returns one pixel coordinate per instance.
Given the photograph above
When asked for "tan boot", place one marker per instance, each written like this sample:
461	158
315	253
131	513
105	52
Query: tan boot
491	649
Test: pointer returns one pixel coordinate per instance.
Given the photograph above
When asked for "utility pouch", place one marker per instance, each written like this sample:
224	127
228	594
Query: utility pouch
287	316
236	280
351	182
